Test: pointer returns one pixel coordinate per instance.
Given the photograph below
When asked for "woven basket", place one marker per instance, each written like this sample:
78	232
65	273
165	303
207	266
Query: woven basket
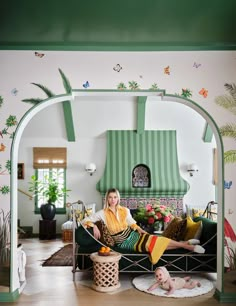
67	235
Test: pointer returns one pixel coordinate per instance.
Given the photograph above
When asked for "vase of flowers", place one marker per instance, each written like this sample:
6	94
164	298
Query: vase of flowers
154	217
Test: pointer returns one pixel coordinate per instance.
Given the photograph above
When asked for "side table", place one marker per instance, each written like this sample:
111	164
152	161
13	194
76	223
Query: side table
106	271
47	229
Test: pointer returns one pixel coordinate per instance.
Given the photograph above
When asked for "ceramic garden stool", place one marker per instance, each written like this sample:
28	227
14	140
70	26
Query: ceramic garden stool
106	271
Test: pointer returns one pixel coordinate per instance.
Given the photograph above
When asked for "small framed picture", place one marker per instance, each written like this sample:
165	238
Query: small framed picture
21	171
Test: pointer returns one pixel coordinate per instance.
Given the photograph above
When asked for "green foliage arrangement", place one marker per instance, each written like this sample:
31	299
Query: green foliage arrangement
48	188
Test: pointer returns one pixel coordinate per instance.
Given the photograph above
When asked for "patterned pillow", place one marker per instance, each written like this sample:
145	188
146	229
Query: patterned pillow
176	229
81	212
77	210
106	237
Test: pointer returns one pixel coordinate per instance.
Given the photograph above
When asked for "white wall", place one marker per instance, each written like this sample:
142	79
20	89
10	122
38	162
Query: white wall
92	117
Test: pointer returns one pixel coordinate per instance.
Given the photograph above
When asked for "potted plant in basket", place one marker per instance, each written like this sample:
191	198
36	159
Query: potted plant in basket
50	189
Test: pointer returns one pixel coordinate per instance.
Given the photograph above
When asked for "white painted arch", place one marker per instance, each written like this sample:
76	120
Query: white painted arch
114	93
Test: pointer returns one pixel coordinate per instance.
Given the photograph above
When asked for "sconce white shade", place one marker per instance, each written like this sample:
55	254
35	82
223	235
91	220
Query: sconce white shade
90	168
192	168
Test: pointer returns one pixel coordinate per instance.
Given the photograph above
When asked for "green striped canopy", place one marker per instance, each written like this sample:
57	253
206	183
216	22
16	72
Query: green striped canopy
155	149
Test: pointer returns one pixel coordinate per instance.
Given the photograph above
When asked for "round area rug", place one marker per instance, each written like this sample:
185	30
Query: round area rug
143	282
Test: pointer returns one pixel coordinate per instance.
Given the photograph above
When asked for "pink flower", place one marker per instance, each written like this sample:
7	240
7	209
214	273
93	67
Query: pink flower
149	207
159	215
151	220
167	219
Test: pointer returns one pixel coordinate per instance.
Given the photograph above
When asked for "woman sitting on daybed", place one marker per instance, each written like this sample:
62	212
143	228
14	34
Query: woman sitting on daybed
128	235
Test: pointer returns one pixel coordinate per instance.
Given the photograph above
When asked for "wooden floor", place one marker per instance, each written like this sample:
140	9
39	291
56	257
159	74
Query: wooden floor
54	286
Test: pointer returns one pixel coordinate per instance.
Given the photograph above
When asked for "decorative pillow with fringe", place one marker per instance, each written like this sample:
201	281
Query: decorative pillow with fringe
176	229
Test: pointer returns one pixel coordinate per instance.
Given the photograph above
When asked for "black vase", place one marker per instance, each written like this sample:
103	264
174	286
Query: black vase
48	211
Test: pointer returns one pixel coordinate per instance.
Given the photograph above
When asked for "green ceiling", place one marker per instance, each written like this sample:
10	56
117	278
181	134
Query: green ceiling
123	25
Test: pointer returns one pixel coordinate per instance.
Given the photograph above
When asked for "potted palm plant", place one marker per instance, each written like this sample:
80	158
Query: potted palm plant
49	189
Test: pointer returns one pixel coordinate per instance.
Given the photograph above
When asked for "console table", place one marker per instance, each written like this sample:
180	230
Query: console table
47	229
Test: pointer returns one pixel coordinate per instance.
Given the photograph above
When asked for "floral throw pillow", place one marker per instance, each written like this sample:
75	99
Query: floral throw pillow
176	229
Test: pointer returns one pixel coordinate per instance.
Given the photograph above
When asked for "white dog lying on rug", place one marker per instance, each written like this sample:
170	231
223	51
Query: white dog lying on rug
166	282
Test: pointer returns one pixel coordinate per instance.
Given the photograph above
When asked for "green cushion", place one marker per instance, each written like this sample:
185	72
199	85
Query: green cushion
84	239
209	229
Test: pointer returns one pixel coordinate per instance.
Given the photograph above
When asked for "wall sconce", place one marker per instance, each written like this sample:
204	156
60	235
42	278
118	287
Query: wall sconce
192	168
90	168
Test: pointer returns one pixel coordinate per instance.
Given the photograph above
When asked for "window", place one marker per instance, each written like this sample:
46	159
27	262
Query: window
55	173
141	176
50	163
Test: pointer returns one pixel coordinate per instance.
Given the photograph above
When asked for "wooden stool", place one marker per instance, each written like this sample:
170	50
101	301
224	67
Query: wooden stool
106	271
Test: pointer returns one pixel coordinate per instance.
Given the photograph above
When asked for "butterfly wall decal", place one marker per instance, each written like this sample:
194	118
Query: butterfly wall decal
196	65
227	185
14	91
86	84
40	55
167	70
117	68
204	92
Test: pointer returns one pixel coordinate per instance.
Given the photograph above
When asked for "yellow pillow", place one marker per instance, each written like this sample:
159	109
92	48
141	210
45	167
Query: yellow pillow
193	229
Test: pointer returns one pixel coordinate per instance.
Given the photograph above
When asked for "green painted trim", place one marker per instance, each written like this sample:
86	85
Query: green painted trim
58	46
69	120
141	114
59	211
208	134
223	297
9	296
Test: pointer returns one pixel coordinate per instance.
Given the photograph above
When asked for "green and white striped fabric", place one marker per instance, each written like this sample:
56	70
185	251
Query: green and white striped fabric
155	149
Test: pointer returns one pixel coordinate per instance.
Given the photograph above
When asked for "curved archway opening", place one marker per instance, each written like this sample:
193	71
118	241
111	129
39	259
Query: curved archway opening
160	95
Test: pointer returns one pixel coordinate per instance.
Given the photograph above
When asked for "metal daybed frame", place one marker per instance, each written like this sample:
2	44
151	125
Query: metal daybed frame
137	262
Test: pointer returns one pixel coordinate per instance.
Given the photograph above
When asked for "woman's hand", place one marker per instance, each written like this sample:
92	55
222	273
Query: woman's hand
96	232
141	231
